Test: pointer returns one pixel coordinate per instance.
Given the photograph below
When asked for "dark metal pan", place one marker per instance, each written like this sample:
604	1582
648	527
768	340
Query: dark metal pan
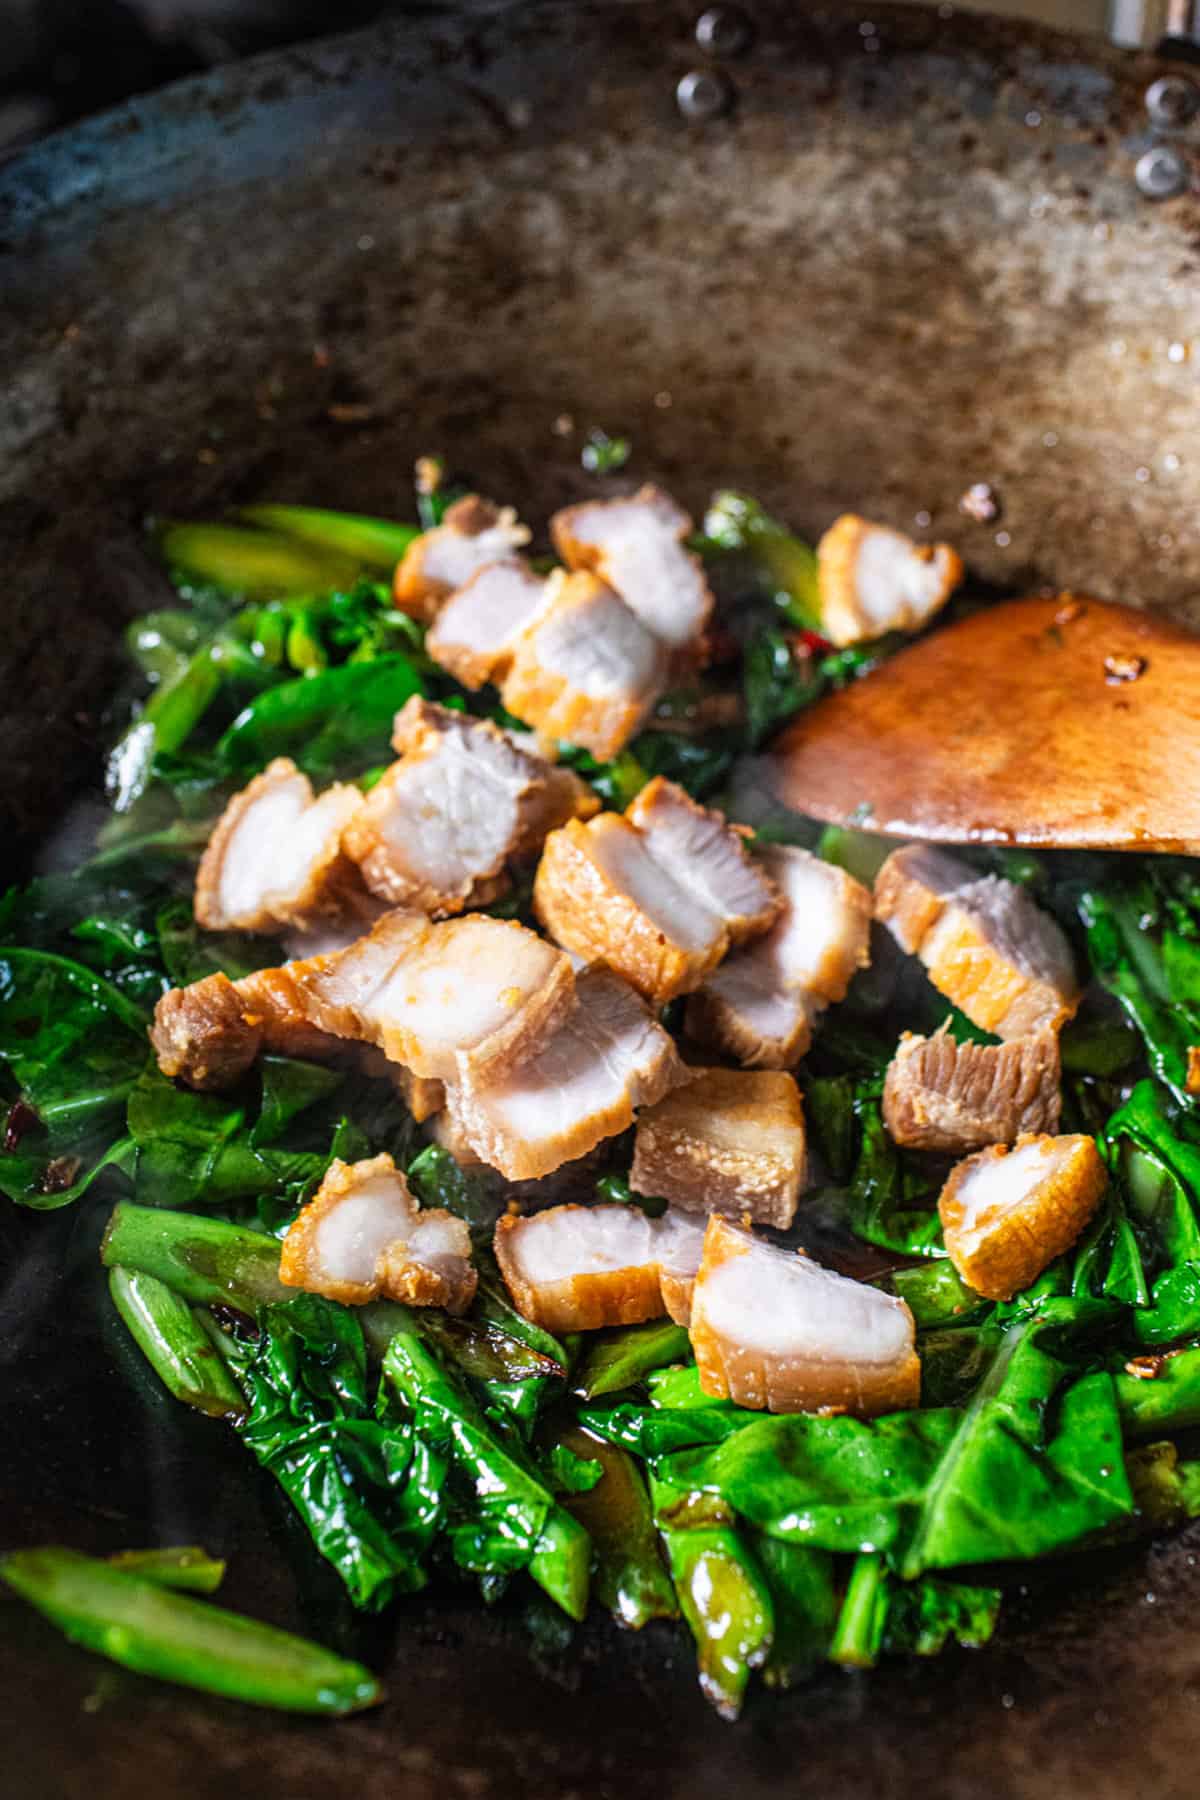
878	255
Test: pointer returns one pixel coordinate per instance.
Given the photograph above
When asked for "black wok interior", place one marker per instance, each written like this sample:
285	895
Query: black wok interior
882	274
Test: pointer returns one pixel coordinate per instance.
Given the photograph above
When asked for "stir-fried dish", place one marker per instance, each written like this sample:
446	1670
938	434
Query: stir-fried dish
567	1169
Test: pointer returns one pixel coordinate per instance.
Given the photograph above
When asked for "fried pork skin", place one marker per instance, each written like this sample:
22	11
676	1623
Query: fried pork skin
437	831
760	1006
579	1268
1007	1214
987	947
475	635
873	580
942	1095
465	998
585	1084
658	894
774	1330
637	546
729	1141
363	1235
275	856
473	534
585	670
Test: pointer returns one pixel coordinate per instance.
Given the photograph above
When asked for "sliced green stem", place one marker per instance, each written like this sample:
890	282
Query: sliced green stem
185	1566
206	1261
858	1634
375	543
174	1343
145	1627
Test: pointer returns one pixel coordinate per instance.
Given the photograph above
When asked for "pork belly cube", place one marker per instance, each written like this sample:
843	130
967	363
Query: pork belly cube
275	856
200	1035
729	1141
994	953
941	1095
760	1006
438	829
874	580
1006	1214
585	671
637	546
774	1330
579	1268
583	1085
476	633
467	997
363	1235
209	1034
473	534
659	894
704	852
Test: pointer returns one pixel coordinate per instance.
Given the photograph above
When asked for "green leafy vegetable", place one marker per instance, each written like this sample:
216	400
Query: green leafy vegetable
620	1359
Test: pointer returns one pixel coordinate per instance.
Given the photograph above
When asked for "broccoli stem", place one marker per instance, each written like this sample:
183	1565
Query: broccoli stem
174	1343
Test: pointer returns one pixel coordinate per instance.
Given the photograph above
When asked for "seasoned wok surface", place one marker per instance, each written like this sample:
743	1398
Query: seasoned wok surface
282	282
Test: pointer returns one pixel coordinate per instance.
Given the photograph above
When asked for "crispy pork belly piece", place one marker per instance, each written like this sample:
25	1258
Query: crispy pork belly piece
637	546
209	1034
1006	1214
658	894
275	857
202	1036
363	1235
941	1095
463	999
585	1084
473	534
585	670
761	1004
772	1329
708	855
476	633
987	947
873	580
436	832
578	1268
729	1141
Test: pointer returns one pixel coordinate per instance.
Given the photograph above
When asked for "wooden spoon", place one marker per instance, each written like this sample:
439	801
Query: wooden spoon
1064	721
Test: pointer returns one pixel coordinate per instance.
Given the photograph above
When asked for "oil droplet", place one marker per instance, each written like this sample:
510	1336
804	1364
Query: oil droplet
1050	438
1142	474
662	400
1118	347
1171	461
1033	118
1008	1701
923	519
1004	539
366	241
1177	353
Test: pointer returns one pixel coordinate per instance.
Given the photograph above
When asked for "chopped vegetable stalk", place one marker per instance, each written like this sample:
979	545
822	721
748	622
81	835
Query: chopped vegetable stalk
143	1626
1169	1400
622	1358
724	1597
256	565
184	1566
859	1634
373	543
629	1575
787	565
174	1343
207	1261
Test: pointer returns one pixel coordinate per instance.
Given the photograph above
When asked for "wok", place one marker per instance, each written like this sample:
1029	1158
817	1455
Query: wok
903	252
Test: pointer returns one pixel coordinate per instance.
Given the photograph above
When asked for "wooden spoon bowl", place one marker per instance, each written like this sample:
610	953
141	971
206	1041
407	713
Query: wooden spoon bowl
1061	722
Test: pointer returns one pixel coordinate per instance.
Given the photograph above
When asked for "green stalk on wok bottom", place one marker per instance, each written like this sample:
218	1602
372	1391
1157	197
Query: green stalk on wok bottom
146	1627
